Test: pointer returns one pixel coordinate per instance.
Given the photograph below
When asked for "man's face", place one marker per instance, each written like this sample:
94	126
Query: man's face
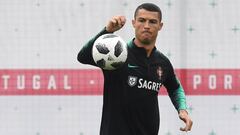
146	24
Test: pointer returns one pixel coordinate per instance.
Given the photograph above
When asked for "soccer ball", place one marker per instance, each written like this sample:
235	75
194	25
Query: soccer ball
109	51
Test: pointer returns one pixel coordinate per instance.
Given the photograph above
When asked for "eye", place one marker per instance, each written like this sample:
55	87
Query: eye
141	20
153	21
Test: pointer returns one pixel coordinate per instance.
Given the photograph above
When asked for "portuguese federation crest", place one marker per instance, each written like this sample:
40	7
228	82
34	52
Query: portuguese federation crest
132	81
159	73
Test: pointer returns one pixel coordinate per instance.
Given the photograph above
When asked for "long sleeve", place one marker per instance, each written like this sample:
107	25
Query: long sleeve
178	97
175	89
85	54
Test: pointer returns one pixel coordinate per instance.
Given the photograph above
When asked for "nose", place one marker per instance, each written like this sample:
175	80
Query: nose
146	24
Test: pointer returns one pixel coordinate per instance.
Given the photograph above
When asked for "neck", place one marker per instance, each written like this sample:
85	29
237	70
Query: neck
147	47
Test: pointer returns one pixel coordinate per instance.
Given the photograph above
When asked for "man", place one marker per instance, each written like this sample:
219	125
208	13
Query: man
130	105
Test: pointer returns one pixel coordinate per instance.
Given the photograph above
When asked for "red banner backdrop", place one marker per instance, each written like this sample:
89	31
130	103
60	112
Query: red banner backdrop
90	81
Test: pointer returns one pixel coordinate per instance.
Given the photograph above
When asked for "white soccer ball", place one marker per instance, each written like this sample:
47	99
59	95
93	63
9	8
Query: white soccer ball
109	51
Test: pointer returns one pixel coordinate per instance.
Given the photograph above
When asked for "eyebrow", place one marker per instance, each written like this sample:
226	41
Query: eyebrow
151	19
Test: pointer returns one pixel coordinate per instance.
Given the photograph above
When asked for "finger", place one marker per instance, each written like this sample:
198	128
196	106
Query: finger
188	126
120	22
183	129
123	20
114	21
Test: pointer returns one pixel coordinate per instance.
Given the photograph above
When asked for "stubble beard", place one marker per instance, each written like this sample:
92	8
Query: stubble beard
146	42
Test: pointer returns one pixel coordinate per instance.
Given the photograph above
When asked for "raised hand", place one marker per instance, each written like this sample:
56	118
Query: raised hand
115	23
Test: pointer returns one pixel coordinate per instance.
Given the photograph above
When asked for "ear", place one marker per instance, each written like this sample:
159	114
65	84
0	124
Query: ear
160	26
133	22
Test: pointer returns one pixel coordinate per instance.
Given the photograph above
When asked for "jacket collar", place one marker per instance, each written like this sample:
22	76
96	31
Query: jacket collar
139	50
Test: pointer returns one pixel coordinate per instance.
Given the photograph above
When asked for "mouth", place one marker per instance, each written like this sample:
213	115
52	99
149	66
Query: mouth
146	32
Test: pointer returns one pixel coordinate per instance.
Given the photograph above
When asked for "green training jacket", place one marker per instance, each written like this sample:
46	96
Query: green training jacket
130	100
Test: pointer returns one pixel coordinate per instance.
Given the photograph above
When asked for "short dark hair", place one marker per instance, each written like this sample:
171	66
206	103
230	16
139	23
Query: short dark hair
149	7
